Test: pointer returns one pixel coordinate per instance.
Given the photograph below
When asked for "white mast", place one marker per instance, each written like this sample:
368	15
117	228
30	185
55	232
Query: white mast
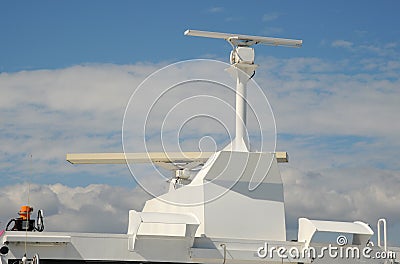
242	69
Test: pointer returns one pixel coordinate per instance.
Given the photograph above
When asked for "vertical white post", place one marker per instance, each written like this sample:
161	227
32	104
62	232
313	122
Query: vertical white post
242	74
381	222
241	141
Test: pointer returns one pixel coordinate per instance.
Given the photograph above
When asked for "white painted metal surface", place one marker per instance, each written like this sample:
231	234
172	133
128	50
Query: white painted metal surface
41	238
222	190
307	228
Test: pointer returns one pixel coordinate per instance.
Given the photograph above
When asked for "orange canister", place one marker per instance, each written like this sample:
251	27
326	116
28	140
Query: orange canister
25	212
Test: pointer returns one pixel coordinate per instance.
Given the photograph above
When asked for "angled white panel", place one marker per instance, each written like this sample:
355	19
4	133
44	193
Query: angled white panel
248	189
307	229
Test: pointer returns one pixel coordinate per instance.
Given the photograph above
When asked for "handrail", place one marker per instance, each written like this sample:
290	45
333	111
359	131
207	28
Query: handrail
378	225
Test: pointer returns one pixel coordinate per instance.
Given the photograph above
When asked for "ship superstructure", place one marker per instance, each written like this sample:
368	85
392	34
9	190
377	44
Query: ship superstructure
227	222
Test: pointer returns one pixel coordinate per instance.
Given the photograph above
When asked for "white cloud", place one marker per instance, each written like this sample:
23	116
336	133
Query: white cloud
94	208
49	113
271	16
391	45
360	33
80	109
342	44
338	118
215	9
334	194
268	31
311	96
386	50
342	195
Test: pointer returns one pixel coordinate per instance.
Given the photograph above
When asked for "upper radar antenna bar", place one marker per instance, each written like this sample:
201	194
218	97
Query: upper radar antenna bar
246	40
243	68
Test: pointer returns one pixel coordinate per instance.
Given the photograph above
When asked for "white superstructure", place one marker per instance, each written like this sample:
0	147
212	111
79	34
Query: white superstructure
231	211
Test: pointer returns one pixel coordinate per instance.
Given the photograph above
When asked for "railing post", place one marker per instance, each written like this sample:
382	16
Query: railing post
378	226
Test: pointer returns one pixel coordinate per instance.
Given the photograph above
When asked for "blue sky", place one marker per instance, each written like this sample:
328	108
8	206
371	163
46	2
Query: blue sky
59	34
68	68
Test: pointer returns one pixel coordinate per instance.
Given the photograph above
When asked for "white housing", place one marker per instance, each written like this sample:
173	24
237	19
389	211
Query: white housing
242	55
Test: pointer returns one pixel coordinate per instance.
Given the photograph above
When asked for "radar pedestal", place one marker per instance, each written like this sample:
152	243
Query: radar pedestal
242	69
236	193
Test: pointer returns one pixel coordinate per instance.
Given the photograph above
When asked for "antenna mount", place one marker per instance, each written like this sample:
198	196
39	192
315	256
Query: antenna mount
242	69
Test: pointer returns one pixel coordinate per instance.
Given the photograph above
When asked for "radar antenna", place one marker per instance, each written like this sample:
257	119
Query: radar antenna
242	66
242	69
